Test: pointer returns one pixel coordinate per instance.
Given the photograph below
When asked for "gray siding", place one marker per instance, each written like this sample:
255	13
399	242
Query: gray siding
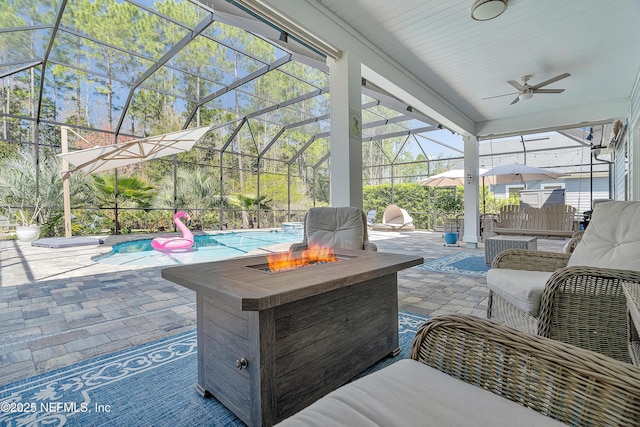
620	174
577	190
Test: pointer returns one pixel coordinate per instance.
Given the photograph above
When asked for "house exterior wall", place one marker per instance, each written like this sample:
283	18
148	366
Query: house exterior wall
634	142
620	171
577	190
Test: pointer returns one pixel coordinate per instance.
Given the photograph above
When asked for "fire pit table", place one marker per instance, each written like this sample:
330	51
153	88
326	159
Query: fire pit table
271	343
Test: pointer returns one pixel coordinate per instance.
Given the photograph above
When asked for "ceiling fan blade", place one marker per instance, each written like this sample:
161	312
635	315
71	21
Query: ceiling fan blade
515	100
516	85
551	80
500	96
548	90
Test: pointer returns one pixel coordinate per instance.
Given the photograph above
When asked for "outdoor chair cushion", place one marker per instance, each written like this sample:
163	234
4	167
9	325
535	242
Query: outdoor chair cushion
410	393
336	227
522	289
612	239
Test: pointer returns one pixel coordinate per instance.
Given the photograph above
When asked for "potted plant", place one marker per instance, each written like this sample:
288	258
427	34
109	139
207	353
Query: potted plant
28	229
450	205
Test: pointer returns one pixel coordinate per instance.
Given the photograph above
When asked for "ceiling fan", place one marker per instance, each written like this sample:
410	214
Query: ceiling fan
526	91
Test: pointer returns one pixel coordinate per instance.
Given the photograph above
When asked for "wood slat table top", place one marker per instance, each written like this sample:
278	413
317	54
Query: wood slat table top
251	289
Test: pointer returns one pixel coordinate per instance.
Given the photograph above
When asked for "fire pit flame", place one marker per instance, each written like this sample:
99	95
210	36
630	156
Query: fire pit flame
314	254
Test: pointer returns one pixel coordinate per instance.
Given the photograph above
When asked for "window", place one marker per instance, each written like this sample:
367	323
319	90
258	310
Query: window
554	186
513	190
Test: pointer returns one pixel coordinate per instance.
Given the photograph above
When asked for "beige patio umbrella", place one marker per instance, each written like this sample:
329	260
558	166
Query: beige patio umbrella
519	174
450	178
102	158
455	177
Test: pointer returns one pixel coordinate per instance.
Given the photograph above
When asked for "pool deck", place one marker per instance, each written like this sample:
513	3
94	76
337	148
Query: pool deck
59	307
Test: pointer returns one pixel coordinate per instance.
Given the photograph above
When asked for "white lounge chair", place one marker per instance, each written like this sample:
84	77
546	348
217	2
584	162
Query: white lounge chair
396	219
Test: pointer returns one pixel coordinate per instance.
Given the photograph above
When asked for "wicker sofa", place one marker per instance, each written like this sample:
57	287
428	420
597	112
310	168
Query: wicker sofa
464	370
573	297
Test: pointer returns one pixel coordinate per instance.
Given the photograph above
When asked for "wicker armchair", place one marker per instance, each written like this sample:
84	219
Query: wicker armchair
342	227
472	371
573	297
573	385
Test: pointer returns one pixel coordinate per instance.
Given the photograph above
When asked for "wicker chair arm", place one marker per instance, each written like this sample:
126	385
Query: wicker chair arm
370	246
296	247
521	259
586	306
573	385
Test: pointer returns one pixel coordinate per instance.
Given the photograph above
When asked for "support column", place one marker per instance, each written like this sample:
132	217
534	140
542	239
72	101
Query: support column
346	131
66	192
471	192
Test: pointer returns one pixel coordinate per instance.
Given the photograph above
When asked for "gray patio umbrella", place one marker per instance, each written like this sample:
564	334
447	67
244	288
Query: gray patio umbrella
518	174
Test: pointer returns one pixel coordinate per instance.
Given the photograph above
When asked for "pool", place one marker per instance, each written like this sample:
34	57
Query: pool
212	247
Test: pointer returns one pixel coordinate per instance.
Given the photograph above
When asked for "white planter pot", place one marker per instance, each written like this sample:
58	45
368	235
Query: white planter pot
27	233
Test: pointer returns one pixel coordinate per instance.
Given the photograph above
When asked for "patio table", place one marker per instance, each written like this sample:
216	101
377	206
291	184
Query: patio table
494	245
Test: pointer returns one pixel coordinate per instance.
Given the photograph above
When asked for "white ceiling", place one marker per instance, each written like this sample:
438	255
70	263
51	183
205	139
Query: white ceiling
464	61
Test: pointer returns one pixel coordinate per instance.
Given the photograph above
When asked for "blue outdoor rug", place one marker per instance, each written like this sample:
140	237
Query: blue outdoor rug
464	263
147	385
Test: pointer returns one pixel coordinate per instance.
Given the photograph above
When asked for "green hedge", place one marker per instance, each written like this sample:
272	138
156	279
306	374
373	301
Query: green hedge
414	198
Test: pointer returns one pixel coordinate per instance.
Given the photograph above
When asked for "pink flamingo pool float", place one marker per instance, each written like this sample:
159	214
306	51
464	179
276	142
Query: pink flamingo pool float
175	243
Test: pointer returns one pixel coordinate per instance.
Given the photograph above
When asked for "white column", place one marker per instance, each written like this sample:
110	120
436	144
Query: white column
346	131
66	192
471	192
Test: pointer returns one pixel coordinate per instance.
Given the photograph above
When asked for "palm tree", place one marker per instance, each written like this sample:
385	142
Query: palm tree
132	192
18	189
197	190
253	205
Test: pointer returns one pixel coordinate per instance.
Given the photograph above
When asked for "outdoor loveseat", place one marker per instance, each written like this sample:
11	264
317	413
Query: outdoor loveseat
573	297
468	371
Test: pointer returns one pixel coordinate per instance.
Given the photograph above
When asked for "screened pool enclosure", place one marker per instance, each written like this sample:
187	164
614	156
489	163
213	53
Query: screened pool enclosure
115	70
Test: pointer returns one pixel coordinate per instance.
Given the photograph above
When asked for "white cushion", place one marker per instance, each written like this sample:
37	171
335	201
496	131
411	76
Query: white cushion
522	289
612	239
410	393
335	227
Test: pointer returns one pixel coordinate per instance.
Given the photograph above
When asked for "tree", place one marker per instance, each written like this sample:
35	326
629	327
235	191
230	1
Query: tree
197	190
252	205
18	187
130	189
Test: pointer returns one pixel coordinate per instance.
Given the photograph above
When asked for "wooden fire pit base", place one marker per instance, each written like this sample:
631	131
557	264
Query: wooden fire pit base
298	344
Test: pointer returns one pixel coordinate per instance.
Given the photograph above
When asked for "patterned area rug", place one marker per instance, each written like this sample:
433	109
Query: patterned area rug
148	385
464	263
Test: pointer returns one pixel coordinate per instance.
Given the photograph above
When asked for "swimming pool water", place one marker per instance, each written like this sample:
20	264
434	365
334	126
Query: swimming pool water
213	247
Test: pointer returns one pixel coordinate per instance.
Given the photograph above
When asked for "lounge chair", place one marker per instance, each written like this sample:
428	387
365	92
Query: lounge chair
575	297
371	217
343	227
395	218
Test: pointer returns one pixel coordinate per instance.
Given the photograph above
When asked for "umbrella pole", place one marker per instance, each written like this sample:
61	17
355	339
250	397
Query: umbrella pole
66	192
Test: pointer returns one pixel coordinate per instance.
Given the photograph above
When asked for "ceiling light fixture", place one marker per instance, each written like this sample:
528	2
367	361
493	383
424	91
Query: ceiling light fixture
526	95
484	10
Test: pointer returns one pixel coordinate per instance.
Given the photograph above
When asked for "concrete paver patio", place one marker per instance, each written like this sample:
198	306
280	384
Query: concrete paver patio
59	307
